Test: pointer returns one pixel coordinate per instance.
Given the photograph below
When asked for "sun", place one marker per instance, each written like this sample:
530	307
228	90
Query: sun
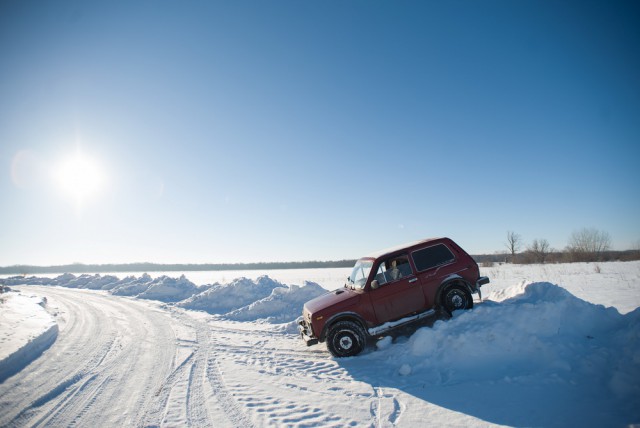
80	177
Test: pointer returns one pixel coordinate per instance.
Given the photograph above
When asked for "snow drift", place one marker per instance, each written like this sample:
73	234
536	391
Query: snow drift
544	332
242	299
223	298
166	289
27	330
283	305
130	286
544	339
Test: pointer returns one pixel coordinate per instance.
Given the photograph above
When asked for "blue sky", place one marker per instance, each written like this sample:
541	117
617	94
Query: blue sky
295	130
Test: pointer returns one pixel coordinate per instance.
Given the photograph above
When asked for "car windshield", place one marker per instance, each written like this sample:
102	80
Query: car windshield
360	273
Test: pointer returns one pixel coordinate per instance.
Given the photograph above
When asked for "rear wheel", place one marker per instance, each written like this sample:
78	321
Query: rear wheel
456	297
346	339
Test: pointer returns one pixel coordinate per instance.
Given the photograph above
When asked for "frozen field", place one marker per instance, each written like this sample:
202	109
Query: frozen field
550	345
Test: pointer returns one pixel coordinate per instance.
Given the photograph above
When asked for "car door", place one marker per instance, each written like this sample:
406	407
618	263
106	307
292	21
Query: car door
396	296
433	264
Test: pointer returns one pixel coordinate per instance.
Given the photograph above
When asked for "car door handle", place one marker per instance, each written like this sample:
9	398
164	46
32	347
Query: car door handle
412	280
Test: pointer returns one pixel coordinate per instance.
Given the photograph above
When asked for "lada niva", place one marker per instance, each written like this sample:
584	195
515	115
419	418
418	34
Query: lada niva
390	289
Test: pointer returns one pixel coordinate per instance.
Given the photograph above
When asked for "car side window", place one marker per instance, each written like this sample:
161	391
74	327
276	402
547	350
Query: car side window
430	257
393	269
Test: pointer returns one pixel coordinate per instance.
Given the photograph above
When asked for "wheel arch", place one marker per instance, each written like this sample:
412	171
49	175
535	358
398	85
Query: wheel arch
450	282
343	316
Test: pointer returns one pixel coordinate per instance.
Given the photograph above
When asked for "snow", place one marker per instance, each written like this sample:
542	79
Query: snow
612	284
222	298
550	345
130	286
168	289
26	329
545	334
328	278
284	304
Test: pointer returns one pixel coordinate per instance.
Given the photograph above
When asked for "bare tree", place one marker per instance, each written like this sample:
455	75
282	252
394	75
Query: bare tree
588	244
539	250
513	244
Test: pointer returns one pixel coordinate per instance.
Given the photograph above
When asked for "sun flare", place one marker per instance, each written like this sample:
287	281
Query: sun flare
79	176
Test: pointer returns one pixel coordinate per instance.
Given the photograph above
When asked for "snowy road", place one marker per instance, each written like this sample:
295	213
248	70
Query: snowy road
118	362
108	363
125	362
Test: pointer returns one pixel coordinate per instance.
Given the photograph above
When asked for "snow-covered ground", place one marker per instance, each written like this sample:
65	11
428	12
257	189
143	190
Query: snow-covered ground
27	330
550	345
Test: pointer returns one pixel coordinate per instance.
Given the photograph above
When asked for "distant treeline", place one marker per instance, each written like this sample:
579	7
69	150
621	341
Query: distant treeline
483	259
557	257
157	267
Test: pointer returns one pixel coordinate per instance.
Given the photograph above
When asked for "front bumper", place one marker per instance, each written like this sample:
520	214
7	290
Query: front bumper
479	283
482	281
305	332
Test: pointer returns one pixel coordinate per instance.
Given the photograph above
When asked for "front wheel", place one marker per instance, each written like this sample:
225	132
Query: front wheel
346	339
455	298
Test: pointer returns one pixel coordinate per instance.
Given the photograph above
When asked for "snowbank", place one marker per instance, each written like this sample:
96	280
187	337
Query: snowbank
546	329
26	330
99	282
250	300
223	298
131	286
615	284
167	289
242	299
543	338
283	305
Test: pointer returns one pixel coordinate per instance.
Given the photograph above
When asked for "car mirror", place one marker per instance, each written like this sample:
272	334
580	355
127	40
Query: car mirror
374	284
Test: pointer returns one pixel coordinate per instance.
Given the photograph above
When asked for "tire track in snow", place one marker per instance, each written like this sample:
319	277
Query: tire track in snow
232	410
276	382
170	367
197	412
84	394
209	397
54	397
109	350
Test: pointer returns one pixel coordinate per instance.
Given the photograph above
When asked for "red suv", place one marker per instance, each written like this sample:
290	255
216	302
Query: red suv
389	289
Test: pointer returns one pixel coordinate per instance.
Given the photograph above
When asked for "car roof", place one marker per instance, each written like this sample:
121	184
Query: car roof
380	253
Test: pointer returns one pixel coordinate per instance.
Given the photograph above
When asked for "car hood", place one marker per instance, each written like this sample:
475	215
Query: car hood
337	299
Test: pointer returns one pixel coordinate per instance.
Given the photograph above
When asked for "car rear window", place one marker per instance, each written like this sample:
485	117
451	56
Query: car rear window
431	257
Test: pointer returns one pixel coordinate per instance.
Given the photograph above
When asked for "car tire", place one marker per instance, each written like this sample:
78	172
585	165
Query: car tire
456	297
346	339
